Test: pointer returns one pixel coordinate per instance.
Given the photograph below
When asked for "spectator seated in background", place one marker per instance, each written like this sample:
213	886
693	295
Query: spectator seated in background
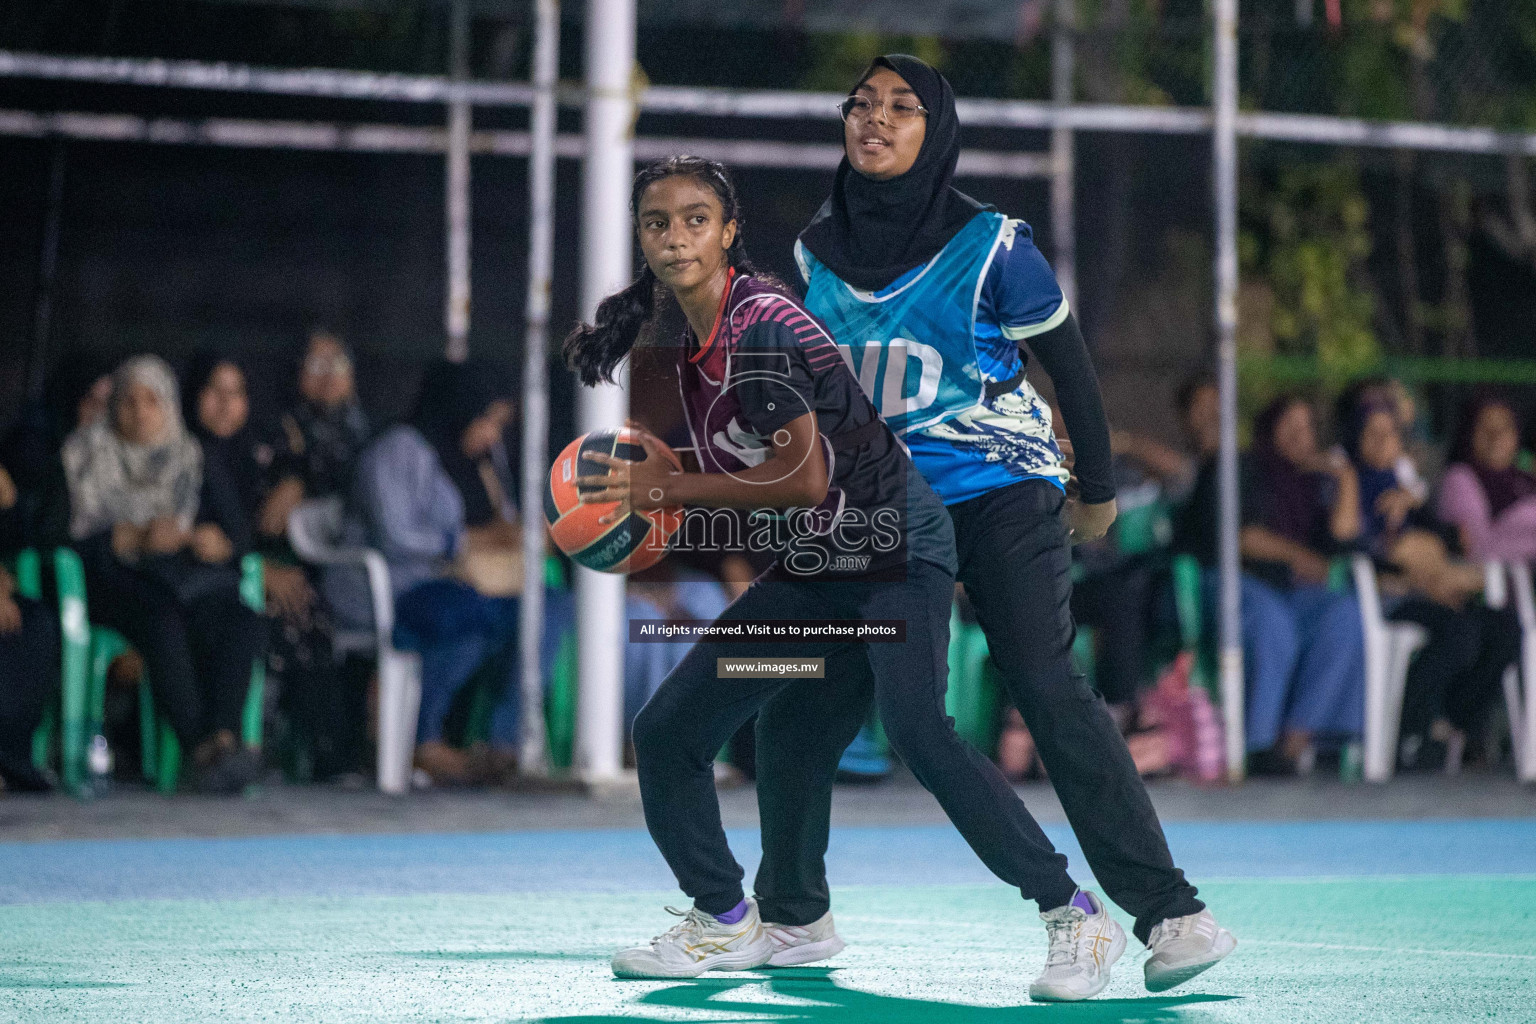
1454	680
1485	496
433	496
1114	596
320	439
29	661
162	566
300	658
1303	644
75	396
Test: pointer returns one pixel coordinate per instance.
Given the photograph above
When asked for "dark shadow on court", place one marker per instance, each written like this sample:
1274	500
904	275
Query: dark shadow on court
827	1002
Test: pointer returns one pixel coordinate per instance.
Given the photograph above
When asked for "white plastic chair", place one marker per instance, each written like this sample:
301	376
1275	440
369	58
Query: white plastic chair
314	530
1389	647
1521	705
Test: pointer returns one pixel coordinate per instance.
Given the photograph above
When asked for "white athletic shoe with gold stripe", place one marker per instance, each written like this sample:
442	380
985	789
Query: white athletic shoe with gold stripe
696	944
1083	948
796	944
1182	947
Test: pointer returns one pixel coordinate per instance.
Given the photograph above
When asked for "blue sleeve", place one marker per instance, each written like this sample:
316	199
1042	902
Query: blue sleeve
412	505
1021	289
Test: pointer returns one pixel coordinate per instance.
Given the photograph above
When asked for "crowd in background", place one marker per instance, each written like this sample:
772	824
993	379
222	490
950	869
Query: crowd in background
165	482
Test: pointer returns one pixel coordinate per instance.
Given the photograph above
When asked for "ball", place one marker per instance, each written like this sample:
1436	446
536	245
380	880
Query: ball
629	544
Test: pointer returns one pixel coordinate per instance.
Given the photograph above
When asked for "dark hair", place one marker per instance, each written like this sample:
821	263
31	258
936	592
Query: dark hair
197	375
1269	418
1184	397
1466	423
623	318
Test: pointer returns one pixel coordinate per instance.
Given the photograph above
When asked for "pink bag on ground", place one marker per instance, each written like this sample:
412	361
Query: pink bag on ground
1190	725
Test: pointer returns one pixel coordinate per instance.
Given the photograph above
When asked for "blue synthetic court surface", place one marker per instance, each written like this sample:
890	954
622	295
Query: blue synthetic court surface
626	861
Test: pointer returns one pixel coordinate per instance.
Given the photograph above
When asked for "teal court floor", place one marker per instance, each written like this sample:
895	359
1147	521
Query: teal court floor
1345	921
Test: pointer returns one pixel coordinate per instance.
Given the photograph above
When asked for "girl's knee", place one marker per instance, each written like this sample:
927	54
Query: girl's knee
658	730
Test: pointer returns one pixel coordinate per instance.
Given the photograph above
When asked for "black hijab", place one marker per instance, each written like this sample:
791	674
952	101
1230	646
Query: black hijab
871	232
454	395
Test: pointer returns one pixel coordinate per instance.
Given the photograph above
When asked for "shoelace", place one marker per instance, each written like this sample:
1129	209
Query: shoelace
1174	927
692	919
1063	937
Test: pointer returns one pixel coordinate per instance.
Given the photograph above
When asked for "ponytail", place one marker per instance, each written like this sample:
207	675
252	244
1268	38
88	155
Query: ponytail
593	351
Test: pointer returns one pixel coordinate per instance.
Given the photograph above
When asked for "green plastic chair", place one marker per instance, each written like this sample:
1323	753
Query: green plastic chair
60	733
1143	528
1188	599
98	646
973	695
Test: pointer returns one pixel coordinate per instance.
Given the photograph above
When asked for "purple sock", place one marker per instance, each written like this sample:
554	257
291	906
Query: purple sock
736	913
1083	903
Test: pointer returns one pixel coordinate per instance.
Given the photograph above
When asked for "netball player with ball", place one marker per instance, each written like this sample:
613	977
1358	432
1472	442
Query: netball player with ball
779	426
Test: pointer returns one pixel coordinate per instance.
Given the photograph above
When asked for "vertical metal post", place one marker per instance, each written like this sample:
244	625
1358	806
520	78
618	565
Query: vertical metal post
1224	95
47	270
533	756
1063	163
459	115
606	246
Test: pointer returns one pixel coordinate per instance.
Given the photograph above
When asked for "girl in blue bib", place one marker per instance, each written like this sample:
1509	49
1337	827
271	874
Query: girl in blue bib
929	295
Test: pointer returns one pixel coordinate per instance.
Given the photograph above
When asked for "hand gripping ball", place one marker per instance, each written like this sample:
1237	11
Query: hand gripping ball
631	543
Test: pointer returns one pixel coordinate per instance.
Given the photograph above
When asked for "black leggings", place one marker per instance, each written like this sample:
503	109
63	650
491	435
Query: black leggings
694	713
1458	674
29	680
1016	564
198	655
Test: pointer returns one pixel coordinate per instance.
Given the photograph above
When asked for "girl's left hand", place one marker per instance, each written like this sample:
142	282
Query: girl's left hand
646	484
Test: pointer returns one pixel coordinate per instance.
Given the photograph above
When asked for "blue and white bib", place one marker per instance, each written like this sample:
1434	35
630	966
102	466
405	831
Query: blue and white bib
924	348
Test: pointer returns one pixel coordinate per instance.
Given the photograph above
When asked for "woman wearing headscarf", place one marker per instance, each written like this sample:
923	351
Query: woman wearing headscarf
1454	680
434	496
161	566
1485	495
321	436
300	658
930	295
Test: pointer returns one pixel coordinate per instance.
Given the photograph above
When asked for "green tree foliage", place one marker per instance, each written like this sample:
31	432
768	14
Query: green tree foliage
1308	240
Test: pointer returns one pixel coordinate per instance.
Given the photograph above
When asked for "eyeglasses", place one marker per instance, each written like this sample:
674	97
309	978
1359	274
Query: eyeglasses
899	111
322	366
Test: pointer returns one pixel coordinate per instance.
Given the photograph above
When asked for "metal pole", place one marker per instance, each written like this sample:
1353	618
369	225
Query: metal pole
1224	94
1063	211
459	114
533	757
606	245
47	268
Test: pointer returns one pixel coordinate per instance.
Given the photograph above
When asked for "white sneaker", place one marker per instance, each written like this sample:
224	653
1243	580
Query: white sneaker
696	944
1083	948
1182	947
796	944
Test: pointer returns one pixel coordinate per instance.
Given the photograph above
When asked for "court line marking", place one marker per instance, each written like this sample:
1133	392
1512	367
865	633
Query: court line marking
1387	949
1411	950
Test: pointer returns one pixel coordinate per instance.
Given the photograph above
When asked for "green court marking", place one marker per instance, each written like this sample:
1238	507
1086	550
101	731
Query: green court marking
1367	949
